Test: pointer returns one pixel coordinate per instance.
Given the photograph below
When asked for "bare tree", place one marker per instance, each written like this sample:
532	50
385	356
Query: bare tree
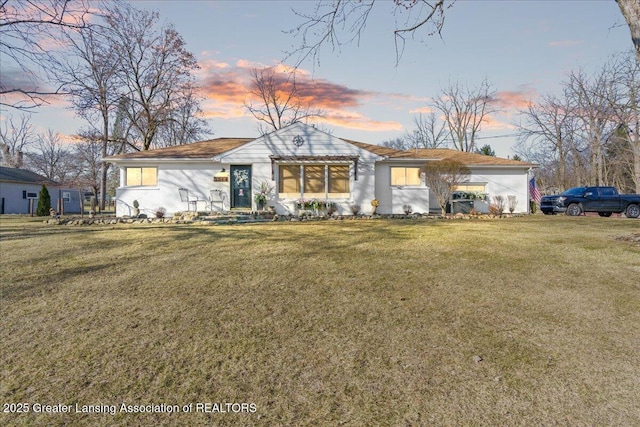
589	99
28	29
51	157
399	143
428	133
546	127
88	75
15	139
331	20
464	110
279	101
343	22
624	102
89	165
442	177
185	123
154	69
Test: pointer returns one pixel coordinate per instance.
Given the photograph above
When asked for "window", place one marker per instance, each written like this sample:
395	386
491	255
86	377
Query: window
405	176
289	179
318	181
339	179
66	196
142	176
314	181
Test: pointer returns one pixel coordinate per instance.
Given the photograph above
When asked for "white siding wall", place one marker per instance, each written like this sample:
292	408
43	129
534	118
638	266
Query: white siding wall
316	143
195	177
500	182
505	182
393	198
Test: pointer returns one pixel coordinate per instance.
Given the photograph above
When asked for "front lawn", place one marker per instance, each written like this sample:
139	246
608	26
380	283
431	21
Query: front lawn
521	321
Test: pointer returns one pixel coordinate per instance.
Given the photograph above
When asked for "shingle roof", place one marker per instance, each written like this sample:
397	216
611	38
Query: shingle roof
215	147
469	159
375	149
23	175
196	150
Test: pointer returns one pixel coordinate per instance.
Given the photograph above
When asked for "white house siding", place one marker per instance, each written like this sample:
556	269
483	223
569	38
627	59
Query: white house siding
393	198
505	182
195	176
499	181
371	179
316	144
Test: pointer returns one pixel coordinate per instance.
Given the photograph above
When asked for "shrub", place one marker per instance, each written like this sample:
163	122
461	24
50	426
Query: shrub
512	203
160	212
408	209
355	208
44	202
533	206
497	207
331	208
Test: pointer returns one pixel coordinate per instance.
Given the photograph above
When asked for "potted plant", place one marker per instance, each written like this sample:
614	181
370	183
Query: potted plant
265	191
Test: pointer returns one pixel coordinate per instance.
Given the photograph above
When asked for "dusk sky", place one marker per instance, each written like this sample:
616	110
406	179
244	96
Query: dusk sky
524	48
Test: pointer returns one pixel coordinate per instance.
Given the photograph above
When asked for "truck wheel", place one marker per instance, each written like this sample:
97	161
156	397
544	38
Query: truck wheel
574	209
605	214
633	211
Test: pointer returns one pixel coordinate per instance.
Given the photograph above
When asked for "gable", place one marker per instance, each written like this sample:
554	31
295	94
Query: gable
296	141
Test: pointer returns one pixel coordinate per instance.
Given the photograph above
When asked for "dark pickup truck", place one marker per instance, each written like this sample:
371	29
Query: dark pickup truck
604	200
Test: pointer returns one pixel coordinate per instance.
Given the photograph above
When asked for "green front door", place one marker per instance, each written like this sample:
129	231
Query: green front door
240	187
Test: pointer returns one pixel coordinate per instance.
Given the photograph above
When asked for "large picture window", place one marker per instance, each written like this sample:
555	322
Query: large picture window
313	181
405	176
289	179
142	177
339	179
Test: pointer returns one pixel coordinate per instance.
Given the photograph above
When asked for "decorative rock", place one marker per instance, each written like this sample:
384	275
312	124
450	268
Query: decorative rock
477	359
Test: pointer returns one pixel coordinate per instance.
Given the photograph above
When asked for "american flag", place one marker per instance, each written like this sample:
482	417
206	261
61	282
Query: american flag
533	191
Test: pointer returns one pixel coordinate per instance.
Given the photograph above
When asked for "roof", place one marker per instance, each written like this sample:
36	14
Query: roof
469	159
196	150
375	149
215	147
23	175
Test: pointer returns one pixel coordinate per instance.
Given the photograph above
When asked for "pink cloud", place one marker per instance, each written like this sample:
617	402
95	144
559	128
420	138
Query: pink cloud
357	121
422	110
515	100
226	88
492	123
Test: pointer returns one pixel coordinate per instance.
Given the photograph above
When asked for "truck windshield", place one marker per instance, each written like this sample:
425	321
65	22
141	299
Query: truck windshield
574	191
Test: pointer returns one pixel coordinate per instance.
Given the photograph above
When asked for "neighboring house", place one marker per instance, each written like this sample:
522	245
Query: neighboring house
300	162
20	189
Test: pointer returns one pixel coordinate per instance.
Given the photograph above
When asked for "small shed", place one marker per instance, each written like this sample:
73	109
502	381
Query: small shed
20	188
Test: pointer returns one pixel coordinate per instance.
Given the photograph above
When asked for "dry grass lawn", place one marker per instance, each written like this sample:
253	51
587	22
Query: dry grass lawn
356	323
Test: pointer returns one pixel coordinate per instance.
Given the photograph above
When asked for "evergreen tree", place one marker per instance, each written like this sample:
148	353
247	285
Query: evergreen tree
44	202
486	150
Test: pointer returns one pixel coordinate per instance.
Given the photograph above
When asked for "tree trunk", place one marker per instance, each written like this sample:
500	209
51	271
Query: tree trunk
631	11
